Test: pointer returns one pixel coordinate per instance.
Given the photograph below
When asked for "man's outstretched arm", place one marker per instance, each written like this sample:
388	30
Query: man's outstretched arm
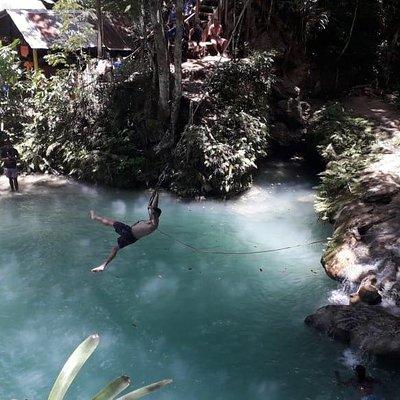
111	257
153	203
154	200
153	209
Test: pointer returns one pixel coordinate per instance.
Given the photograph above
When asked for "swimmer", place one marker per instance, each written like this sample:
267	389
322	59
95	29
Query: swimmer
362	382
129	234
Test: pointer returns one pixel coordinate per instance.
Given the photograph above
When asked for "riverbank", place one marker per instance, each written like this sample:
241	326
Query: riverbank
364	252
33	184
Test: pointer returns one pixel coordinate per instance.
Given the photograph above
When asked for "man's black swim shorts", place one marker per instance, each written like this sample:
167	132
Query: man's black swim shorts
126	236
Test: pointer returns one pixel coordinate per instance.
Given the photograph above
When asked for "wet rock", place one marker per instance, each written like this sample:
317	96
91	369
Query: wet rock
394	293
366	241
370	328
290	112
282	135
367	292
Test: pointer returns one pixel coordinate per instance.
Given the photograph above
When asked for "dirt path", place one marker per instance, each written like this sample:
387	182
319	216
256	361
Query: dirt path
385	116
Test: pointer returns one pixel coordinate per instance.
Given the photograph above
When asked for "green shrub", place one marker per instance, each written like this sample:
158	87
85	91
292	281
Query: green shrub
87	130
219	159
244	84
218	156
344	142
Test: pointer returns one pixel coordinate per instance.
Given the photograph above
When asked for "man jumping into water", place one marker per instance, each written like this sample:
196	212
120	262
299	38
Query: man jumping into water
129	234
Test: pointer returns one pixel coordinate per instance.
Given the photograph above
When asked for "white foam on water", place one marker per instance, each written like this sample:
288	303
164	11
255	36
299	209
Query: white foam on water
341	295
264	390
119	207
158	287
254	201
84	242
390	305
350	358
90	190
354	271
338	296
32	378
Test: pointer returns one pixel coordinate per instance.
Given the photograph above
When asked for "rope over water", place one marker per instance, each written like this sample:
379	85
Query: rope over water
209	251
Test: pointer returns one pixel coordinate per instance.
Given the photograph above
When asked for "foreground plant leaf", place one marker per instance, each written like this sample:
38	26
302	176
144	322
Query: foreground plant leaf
73	365
144	391
113	389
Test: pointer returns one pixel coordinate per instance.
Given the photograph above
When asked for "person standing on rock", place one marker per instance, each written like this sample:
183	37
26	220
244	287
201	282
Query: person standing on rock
362	382
9	156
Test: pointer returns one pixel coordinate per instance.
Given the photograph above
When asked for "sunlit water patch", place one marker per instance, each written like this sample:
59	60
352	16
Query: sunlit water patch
221	326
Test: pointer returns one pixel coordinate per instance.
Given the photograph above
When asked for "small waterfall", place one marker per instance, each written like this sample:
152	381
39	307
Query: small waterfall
342	293
350	358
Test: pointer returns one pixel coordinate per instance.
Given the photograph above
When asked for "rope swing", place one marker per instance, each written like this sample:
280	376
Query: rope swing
238	253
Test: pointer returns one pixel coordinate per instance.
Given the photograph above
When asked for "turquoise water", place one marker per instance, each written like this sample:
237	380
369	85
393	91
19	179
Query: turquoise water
222	327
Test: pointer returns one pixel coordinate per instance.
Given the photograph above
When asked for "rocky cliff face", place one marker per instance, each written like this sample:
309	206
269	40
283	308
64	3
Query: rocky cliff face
370	328
365	249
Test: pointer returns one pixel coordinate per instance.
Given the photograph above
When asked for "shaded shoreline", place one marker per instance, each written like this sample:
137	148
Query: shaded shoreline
33	184
364	251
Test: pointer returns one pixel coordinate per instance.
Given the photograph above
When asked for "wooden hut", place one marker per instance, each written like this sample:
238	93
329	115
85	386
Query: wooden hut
40	30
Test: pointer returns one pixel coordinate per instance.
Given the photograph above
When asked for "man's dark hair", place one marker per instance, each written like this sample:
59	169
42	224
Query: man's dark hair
157	211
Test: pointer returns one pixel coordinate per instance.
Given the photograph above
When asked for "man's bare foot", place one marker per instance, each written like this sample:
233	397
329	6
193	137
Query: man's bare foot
99	269
92	214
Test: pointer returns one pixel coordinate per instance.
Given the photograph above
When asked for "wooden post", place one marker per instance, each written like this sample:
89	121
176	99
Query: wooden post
35	60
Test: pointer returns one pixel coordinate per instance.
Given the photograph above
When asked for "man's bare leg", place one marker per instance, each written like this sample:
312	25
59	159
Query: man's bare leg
111	257
16	184
215	45
102	220
10	180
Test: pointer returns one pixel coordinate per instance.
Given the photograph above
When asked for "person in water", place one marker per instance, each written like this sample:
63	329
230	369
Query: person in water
129	234
362	382
9	156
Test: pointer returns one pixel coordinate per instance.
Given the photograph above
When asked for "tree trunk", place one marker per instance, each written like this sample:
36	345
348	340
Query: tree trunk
163	70
177	94
99	29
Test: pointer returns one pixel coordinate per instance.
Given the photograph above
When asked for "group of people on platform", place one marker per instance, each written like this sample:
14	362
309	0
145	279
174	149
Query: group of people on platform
198	37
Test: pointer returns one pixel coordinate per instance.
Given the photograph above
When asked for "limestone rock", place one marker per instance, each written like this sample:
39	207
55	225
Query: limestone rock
370	328
367	292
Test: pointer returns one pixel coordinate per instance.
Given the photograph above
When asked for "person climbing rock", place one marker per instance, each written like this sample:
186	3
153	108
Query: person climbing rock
129	234
9	156
362	382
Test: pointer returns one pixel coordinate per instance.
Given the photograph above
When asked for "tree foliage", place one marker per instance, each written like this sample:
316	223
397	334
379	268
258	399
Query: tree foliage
219	159
218	156
345	143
